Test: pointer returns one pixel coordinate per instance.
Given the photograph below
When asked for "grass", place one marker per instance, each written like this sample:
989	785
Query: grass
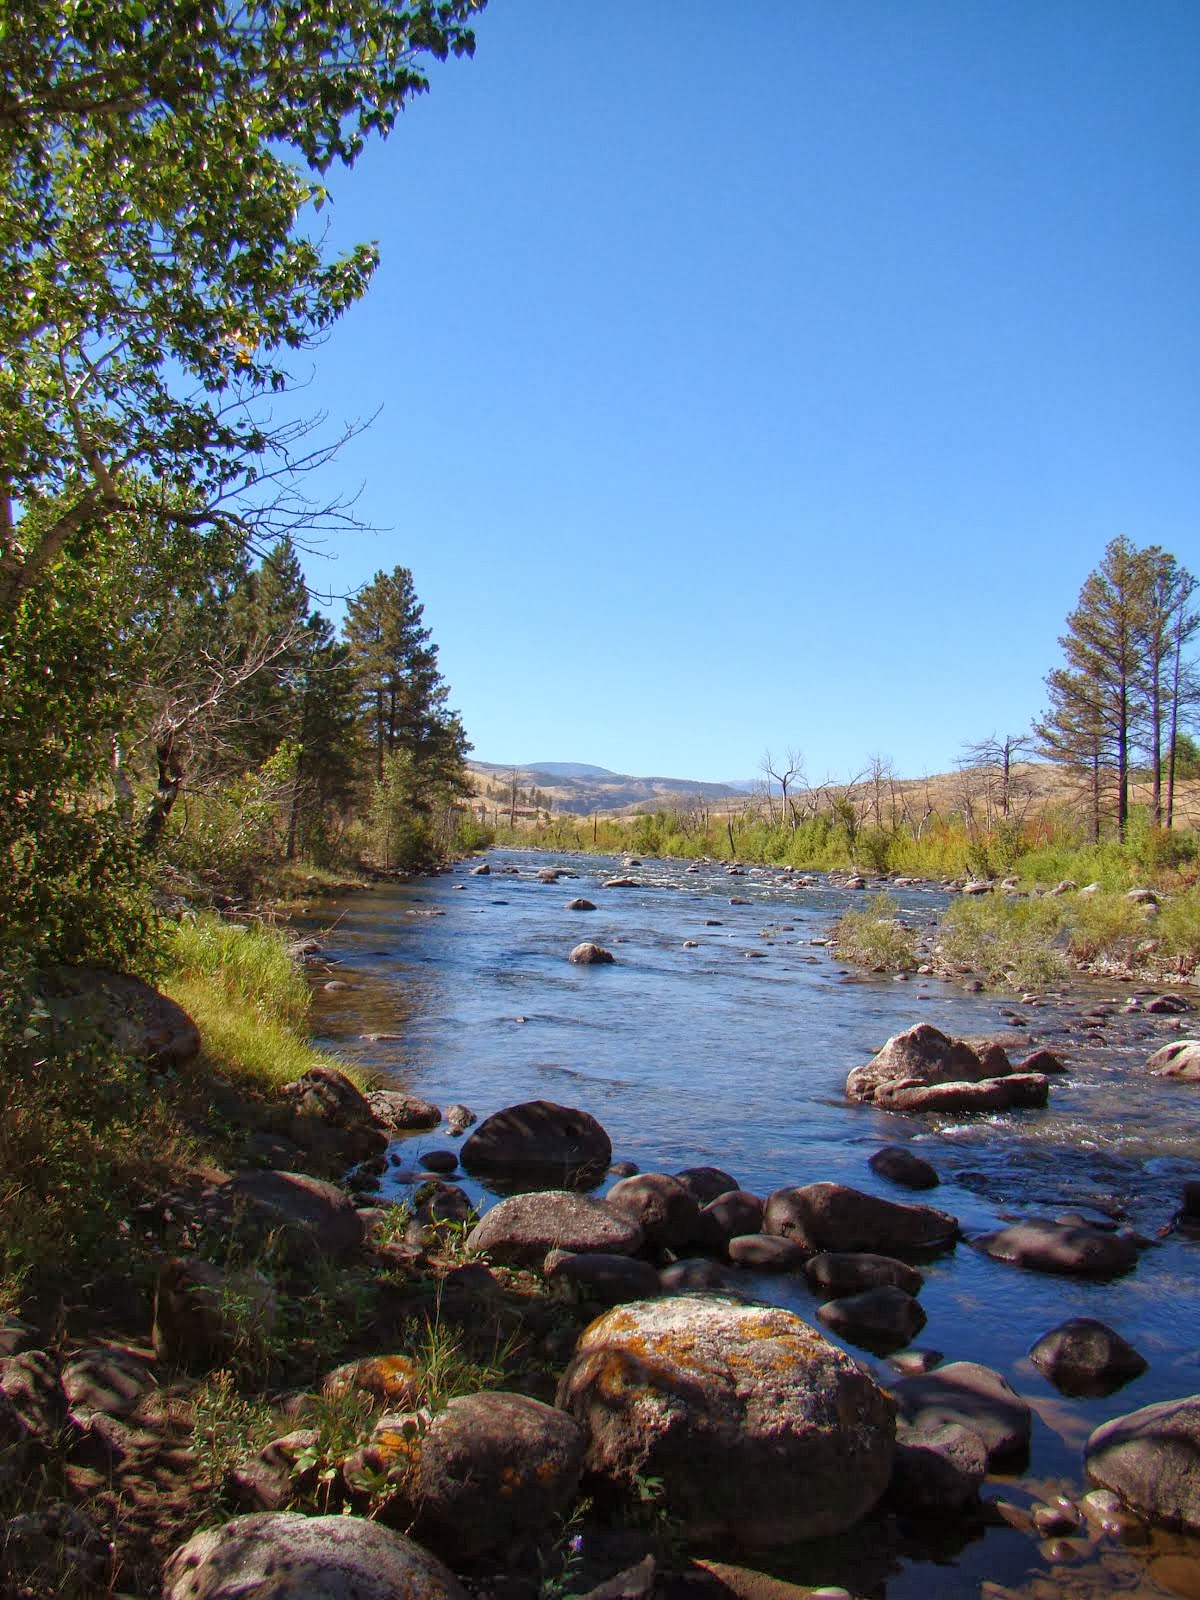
1018	943
876	938
247	995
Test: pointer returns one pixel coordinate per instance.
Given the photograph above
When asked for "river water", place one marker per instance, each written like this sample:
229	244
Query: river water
735	1052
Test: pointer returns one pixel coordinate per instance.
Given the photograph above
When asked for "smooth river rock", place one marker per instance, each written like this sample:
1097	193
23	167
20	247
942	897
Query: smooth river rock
1017	1091
900	1165
706	1184
1151	1458
1086	1357
591	955
975	1397
732	1215
539	1142
664	1210
839	1272
761	1430
1075	1251
285	1556
920	1055
937	1469
881	1319
609	1280
833	1216
1180	1059
311	1214
524	1227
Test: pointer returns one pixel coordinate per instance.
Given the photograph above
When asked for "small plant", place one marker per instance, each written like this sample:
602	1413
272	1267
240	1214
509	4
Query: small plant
562	1563
227	1428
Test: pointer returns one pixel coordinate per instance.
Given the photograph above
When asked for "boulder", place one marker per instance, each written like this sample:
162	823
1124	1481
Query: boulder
899	1165
609	1279
395	1381
401	1113
620	883
140	1021
459	1118
664	1210
591	955
205	1314
105	1380
541	1143
764	1252
732	1215
1151	1458
482	871
285	1556
1180	1059
1042	1061
760	1429
308	1213
1018	1091
922	1055
1077	1251
937	1470
832	1216
696	1275
881	1319
441	1161
975	1397
493	1470
581	903
524	1227
838	1272
1085	1357
706	1184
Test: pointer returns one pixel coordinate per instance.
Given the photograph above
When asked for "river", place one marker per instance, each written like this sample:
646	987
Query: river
734	1052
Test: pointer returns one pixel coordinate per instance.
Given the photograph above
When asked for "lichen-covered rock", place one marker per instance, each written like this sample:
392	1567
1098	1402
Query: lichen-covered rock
394	1380
761	1430
524	1227
1085	1357
402	1113
541	1142
1076	1251
285	1556
664	1210
1151	1458
975	1397
833	1216
491	1470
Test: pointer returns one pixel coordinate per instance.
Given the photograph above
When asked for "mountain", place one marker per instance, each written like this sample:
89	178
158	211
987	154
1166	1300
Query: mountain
576	787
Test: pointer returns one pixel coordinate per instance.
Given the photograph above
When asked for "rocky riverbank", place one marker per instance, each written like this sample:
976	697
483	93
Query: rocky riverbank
567	1394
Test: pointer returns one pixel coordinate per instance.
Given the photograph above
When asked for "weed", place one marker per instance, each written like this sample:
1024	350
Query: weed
227	1428
563	1561
1020	943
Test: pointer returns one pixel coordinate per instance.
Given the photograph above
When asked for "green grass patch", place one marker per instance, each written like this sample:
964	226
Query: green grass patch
875	937
1019	943
1177	930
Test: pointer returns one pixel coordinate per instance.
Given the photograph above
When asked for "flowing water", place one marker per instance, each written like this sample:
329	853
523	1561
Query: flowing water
734	1053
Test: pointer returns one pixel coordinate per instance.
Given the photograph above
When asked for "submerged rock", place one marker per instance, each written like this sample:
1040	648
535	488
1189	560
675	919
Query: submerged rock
974	1397
847	1272
900	1165
937	1469
881	1319
760	1429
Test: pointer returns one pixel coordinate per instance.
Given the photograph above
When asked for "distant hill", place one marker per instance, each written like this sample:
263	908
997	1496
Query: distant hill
576	787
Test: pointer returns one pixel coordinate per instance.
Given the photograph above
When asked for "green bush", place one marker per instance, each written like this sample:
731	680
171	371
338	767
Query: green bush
1020	943
875	938
1177	930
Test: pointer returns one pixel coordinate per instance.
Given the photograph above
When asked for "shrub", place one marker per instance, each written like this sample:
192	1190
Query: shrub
876	938
1020	943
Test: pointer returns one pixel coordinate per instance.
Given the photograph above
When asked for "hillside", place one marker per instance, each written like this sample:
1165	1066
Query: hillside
575	787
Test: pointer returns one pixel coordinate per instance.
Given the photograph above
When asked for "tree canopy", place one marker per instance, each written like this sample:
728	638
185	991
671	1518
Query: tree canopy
156	270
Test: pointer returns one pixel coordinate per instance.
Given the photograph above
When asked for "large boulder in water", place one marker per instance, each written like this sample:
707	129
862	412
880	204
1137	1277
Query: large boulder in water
285	1556
1180	1059
1151	1458
664	1210
539	1143
523	1228
761	1430
1075	1250
925	1070
832	1216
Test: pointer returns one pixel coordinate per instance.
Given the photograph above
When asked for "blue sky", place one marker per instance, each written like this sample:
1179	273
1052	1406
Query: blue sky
772	374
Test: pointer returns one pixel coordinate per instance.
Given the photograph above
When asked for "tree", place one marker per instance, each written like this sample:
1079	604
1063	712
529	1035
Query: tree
991	760
1072	732
784	770
155	276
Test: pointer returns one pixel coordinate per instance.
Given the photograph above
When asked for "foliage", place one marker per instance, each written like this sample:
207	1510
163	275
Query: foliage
1177	931
227	1426
1101	925
154	265
876	938
1015	942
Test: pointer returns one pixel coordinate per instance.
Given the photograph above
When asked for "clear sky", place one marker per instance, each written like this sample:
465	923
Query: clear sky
773	374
